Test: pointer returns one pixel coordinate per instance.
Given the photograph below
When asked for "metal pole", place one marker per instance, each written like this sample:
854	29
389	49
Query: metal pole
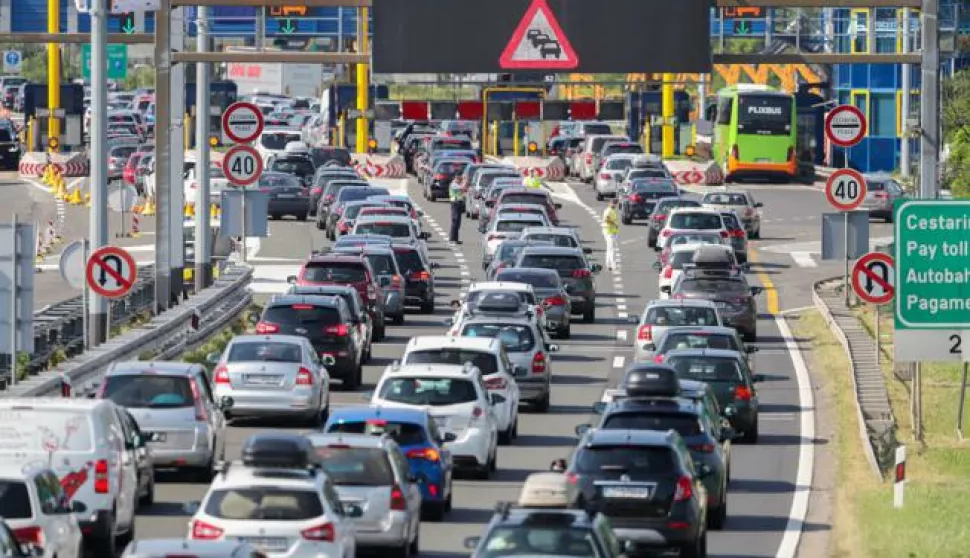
177	159
878	338
930	102
54	70
668	109
98	216
85	299
203	243
245	227
907	94
363	77
163	154
963	397
14	248
260	28
845	276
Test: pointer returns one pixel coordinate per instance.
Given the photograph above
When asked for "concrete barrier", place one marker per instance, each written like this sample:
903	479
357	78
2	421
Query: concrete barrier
548	168
73	164
692	173
379	166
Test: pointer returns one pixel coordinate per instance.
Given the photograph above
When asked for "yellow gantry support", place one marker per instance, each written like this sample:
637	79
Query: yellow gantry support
363	81
667	108
53	70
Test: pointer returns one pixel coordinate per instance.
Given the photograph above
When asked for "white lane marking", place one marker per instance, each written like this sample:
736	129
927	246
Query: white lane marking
621	307
806	449
623	315
798	310
630	241
803	259
465	273
776	416
621	335
618	361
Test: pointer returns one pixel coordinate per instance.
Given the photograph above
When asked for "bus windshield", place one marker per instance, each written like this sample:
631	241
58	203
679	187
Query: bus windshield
767	115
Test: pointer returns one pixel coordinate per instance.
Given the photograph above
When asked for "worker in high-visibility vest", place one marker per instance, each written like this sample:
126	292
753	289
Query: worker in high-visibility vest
456	195
611	229
532	181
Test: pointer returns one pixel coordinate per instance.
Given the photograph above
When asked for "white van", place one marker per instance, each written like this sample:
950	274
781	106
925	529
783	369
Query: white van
92	451
33	504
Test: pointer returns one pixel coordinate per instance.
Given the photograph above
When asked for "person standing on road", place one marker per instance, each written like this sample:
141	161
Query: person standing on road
456	195
611	229
532	181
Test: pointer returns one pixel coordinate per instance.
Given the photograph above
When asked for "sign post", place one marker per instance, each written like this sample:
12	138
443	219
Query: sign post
845	126
243	166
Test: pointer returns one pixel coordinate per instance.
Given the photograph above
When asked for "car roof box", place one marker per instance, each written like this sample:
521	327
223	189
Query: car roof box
546	490
278	451
651	381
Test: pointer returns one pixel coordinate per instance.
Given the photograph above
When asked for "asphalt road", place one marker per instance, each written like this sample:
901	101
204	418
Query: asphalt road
764	476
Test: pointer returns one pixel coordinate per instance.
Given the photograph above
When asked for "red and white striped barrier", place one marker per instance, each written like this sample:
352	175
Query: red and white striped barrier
68	164
551	169
696	174
378	168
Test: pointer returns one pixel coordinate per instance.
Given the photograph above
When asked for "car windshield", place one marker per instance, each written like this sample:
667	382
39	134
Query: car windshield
486	362
394	230
299	167
676	340
404	433
152	391
434	392
515	226
706	369
382	264
537	280
351	211
696	221
276	141
267	503
715	286
539	540
680	316
726	199
332	272
561	264
561	240
302	314
516	338
683	423
523	198
14	500
348	466
264	351
645	461
357	194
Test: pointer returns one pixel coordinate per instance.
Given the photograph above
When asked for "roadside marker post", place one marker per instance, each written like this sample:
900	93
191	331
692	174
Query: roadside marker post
899	481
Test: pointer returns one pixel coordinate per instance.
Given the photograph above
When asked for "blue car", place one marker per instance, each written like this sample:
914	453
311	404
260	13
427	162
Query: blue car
415	431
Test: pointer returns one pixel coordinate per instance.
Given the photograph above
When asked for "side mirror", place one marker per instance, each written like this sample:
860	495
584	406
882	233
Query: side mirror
757	290
746	268
557	205
353	510
759	204
519	370
77	506
31	549
657	266
191	508
328	360
558	466
489	203
384	281
139	441
758	378
596	268
213	358
495	399
471	543
599	407
420	213
455	304
226	402
751	350
582	429
587	250
291	279
450	437
552	348
435	265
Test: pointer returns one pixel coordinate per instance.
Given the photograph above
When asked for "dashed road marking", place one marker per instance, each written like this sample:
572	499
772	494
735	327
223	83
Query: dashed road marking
618	361
623	315
621	335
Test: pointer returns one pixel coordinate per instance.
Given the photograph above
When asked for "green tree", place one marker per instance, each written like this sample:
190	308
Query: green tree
955	116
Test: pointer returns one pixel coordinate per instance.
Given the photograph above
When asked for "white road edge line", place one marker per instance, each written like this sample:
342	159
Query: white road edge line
618	361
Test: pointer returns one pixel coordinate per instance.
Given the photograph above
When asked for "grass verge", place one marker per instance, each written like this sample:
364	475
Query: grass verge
864	523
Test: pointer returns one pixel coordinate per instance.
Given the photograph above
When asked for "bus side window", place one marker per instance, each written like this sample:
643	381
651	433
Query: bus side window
711	114
724	107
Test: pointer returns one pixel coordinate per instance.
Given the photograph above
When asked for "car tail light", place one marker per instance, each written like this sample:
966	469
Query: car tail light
685	489
677	296
737	233
589	158
398	501
659	217
266	327
668	272
724	234
496	383
492	237
556	301
735	153
328	198
658	359
316	191
343	226
200	412
205	532
428	454
582	273
743	393
666	232
702	448
30	535
321	533
539	363
645	333
421	276
605	176
441	177
101	476
881	195
221	374
340	330
304	377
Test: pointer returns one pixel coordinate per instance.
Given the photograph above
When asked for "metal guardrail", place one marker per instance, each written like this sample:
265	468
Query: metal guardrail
165	336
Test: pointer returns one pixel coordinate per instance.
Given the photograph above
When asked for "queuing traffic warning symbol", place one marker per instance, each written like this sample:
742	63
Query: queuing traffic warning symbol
539	43
242	122
845	126
846	189
111	272
873	278
242	165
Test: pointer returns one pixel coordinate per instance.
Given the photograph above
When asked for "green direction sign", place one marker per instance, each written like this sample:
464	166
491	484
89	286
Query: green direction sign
117	61
932	282
742	27
127	23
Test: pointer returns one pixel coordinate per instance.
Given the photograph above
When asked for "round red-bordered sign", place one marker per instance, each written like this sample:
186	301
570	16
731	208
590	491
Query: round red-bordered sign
242	165
845	126
242	122
872	286
111	272
846	189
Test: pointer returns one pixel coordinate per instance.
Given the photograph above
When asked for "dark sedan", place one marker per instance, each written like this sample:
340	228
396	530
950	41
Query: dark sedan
575	272
441	176
639	197
287	195
548	288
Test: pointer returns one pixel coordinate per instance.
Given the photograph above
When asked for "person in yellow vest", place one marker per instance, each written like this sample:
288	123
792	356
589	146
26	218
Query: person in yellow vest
611	229
532	181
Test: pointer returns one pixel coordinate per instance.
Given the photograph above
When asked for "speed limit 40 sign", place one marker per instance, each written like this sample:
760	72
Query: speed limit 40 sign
846	189
242	165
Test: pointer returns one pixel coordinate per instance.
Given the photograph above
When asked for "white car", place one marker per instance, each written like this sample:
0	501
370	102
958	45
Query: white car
489	356
743	203
611	173
510	225
38	511
691	219
276	499
565	237
524	291
190	183
458	401
661	316
273	143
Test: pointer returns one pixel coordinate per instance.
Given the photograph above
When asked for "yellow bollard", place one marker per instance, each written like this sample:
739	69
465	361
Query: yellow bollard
213	211
75	197
87	198
189	210
149	208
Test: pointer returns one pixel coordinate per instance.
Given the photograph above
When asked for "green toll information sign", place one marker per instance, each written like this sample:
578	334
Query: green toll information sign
932	281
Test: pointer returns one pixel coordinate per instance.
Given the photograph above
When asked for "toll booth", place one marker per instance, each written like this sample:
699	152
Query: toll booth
644	119
70	114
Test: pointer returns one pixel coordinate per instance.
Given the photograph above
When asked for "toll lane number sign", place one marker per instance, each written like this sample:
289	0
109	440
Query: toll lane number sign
846	189
242	165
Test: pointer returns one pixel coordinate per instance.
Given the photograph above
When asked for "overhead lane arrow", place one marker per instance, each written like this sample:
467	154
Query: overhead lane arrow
288	27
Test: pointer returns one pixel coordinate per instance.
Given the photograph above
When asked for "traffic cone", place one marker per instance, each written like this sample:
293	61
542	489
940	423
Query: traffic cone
189	210
75	197
213	211
149	208
60	192
45	177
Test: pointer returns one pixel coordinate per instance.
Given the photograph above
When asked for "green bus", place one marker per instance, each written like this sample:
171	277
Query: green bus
755	132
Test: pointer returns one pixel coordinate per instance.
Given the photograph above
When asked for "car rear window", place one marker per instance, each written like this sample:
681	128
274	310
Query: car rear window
516	338
356	466
434	392
475	296
559	263
280	182
683	423
31	430
514	226
486	179
676	340
618	164
696	221
694	238
648	174
486	362
122	152
678	259
302	314
394	230
706	369
731	222
267	503
336	182
561	240
385	210
354	194
353	211
322	156
14	500
537	280
404	433
383	264
719	287
623	148
151	391
651	460
276	141
668	205
450	167
726	199
409	260
299	167
681	316
332	272
507	252
524	198
454	143
264	351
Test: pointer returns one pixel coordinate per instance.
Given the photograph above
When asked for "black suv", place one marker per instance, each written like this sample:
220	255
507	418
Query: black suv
418	276
325	321
642	195
300	166
646	483
576	274
359	316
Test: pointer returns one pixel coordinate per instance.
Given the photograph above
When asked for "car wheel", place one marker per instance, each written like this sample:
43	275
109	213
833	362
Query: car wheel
367	353
148	499
751	436
434	511
626	220
599	196
589	316
416	543
568	332
427	307
303	217
204	474
106	544
505	437
696	549
542	405
380	332
398	320
751	336
717	519
319	224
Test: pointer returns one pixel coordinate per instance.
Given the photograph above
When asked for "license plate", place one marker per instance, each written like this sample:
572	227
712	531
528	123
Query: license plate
442	422
271	544
639	492
155	436
262	379
286	196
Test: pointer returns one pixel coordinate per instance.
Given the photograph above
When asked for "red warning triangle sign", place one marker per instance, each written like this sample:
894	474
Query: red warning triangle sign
539	43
